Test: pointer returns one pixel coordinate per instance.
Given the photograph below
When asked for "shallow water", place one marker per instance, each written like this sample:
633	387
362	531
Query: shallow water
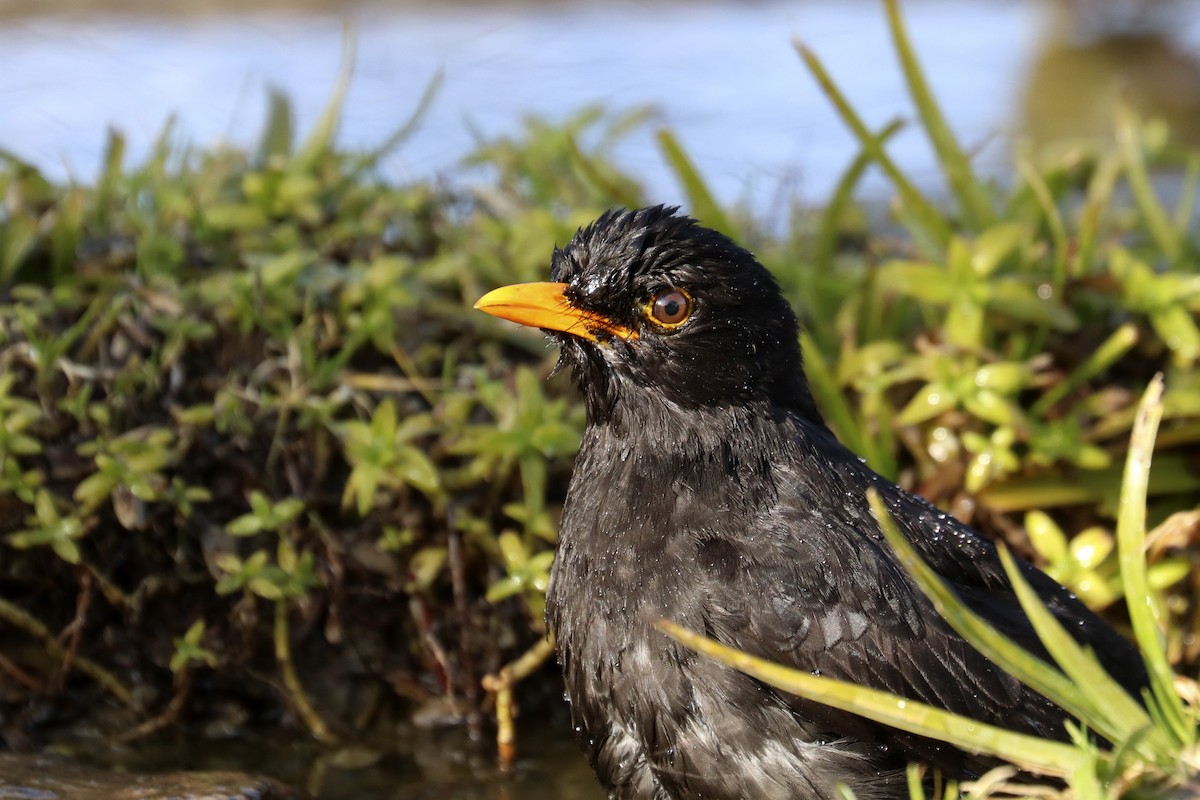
411	763
723	75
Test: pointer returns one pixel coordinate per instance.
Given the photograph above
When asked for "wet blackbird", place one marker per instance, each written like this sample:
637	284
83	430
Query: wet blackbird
709	492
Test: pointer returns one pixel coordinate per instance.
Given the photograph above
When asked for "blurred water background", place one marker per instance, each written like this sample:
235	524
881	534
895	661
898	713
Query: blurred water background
723	75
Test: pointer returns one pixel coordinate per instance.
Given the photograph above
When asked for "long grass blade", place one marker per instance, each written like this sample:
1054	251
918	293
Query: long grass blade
1012	658
933	226
1121	718
972	197
110	176
1187	196
407	129
914	774
1104	356
1058	230
1174	475
1031	752
843	195
1129	137
703	205
829	396
279	132
322	136
1099	199
1131	541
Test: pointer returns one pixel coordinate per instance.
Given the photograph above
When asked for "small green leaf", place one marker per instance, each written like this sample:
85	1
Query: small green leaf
245	525
506	587
1046	537
513	550
417	470
425	565
265	588
93	490
1090	547
1167	572
925	282
260	504
66	549
996	244
929	401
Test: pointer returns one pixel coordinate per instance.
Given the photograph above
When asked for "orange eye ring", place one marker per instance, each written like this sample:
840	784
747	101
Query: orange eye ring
669	308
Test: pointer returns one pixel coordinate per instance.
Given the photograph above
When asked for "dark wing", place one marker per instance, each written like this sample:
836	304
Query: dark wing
817	588
960	554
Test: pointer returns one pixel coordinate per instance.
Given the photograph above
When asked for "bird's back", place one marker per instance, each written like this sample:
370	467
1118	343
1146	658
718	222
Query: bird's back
763	540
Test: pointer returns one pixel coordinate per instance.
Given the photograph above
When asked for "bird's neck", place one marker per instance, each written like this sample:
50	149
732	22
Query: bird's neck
653	486
657	429
651	461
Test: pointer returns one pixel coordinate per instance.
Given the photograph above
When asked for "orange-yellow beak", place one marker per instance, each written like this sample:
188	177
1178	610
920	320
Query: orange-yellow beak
543	305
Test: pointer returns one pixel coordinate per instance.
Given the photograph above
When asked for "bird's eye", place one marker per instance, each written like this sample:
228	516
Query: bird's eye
671	308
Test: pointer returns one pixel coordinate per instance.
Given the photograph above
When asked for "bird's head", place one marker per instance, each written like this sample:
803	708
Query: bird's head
650	302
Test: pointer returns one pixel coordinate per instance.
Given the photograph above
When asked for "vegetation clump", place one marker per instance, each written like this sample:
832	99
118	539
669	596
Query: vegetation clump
254	441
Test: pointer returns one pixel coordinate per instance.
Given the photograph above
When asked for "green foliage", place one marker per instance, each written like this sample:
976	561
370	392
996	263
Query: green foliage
188	649
235	377
382	454
49	527
974	369
291	576
265	515
132	463
242	378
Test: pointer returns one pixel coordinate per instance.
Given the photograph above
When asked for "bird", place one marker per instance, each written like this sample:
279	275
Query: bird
708	491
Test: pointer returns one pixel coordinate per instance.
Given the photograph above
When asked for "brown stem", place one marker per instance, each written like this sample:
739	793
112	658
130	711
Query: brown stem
183	685
296	693
21	619
74	630
466	662
21	676
500	685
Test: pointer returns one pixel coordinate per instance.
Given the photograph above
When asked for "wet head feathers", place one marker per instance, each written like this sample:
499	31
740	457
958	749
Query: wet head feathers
739	345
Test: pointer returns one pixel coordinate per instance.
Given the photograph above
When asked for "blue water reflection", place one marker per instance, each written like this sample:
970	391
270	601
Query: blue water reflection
723	75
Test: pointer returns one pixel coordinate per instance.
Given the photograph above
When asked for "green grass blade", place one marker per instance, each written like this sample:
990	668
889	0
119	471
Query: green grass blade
1031	752
1121	718
914	774
851	429
278	133
923	213
973	199
1104	356
1054	488
844	792
406	130
592	170
1187	196
829	396
1099	199
843	195
1012	658
704	206
1058	231
1131	542
1129	137
110	176
320	140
